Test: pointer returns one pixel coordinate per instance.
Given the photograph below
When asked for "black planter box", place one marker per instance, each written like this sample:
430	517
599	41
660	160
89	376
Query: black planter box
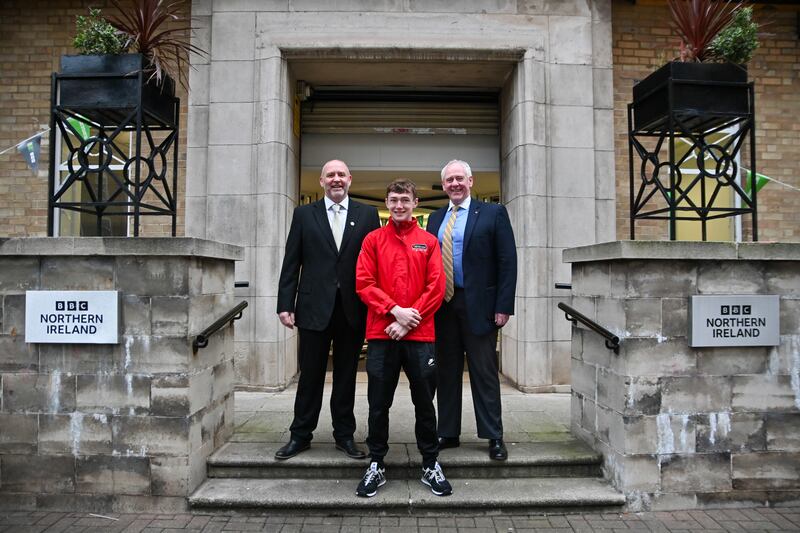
723	94
106	99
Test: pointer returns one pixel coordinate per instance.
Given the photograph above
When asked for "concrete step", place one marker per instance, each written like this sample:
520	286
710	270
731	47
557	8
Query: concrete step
478	495
525	460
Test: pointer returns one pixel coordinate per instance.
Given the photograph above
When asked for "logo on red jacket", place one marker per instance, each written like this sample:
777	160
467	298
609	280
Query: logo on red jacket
419	247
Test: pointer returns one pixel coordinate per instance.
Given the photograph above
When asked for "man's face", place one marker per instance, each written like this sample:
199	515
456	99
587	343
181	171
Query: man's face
401	205
455	184
335	180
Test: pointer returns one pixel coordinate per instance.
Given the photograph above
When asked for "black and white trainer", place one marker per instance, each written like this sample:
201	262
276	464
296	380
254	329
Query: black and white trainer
434	478
373	478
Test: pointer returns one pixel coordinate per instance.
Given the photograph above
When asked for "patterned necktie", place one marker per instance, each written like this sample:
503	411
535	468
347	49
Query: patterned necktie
447	255
337	225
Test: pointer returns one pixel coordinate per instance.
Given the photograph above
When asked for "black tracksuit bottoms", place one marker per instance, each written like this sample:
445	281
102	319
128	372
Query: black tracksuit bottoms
385	358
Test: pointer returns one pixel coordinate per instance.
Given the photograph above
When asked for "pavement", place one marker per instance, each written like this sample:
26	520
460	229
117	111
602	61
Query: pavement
265	417
744	519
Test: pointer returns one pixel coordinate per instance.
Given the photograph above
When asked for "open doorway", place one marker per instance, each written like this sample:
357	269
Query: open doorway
388	133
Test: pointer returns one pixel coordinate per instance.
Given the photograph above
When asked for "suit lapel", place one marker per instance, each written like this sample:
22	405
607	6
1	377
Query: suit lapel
324	226
436	219
352	220
472	219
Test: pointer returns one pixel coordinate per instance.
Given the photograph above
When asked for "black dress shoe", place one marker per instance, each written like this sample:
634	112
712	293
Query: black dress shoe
497	450
291	448
448	442
350	449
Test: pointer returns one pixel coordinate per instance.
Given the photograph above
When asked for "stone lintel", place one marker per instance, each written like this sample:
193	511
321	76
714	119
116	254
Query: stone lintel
682	250
139	246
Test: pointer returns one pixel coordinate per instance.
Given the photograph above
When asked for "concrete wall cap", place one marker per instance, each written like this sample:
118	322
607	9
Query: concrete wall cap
140	246
683	250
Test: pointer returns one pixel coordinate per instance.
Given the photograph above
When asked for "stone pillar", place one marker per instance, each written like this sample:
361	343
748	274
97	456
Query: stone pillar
557	180
683	427
244	173
115	427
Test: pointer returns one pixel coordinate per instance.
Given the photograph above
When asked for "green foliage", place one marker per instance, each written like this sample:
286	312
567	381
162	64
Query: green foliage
158	30
738	40
95	35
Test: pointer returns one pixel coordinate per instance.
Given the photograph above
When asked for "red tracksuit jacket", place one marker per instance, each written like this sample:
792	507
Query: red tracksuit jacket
400	265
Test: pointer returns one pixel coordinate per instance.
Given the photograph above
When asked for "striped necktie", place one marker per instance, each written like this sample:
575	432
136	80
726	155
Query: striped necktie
447	255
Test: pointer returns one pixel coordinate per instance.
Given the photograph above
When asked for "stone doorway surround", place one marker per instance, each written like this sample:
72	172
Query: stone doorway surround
557	154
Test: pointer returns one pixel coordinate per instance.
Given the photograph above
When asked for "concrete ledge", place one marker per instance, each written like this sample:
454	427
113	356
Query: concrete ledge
140	246
475	494
720	251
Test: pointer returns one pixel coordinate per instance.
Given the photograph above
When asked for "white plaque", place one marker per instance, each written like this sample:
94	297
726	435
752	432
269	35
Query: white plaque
734	320
72	317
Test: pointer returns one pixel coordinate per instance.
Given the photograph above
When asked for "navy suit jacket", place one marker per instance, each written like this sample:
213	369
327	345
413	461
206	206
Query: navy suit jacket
313	269
489	262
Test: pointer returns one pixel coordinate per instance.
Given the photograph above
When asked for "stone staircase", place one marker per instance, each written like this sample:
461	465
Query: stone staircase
543	477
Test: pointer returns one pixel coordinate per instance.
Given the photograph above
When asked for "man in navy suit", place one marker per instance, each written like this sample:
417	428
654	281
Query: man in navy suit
478	243
317	293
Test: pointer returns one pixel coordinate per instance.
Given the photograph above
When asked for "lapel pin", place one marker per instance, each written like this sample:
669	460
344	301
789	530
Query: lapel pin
352	223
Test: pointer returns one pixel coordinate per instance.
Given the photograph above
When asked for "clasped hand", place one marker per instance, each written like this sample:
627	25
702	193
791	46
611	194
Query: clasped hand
406	319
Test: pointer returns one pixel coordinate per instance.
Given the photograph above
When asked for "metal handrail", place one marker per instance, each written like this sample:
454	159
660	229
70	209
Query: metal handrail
201	341
574	316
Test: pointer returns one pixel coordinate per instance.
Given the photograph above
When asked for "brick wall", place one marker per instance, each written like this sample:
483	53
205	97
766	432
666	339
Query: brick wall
33	36
643	41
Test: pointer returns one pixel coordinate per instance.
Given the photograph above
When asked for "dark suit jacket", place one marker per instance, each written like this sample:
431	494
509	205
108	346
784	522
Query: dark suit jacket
313	268
489	262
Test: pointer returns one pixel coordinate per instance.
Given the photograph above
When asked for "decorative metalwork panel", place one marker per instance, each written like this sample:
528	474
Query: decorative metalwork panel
687	168
114	162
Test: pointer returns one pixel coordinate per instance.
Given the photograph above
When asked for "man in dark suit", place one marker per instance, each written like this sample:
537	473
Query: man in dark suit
317	293
480	263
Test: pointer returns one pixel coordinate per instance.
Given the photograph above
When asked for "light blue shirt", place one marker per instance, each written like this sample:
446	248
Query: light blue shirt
458	238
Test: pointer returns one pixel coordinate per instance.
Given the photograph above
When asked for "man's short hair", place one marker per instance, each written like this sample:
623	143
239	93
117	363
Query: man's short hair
464	165
399	186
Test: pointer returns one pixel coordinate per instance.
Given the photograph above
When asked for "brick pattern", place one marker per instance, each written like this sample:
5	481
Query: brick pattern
36	33
643	41
681	426
744	519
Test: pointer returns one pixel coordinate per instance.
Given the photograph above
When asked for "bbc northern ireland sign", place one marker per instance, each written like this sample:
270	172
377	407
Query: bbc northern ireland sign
74	317
734	320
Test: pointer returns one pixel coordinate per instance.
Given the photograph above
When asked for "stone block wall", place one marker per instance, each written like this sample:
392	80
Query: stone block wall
115	427
683	427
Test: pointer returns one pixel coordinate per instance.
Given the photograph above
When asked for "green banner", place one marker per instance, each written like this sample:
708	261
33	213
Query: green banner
81	127
761	180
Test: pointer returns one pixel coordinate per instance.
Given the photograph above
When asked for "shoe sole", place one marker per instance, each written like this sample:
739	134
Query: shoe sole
425	482
370	495
361	456
284	457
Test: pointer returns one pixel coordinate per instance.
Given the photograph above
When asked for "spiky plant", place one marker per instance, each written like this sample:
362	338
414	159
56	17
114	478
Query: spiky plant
698	22
165	49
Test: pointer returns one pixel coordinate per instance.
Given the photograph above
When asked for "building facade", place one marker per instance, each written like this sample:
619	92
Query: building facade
287	84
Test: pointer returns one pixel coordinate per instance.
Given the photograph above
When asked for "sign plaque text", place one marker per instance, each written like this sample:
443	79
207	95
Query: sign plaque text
734	320
72	317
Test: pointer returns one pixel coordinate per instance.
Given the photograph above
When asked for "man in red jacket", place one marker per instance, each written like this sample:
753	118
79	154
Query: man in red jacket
399	277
